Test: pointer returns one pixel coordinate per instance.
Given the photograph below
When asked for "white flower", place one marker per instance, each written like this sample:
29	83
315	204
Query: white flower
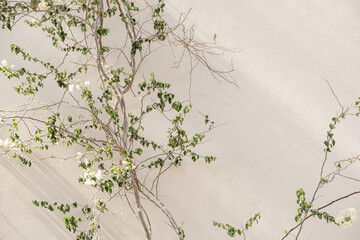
35	23
58	1
99	175
79	155
89	182
79	85
43	5
4	63
12	66
87	174
7	144
71	87
346	224
71	4
346	217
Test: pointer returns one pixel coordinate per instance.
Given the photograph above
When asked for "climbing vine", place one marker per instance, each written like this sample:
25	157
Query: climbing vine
106	98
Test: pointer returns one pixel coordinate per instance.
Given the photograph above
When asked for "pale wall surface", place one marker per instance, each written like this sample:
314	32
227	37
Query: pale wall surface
272	145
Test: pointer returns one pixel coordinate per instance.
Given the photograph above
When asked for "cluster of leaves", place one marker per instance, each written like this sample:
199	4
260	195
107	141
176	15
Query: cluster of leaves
33	81
232	231
330	141
306	207
64	208
71	222
123	142
181	144
323	215
9	13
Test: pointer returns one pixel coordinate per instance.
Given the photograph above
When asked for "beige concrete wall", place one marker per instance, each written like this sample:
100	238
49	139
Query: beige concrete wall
270	146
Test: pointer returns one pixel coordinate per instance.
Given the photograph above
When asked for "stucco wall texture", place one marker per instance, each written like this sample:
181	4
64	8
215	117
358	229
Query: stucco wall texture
272	142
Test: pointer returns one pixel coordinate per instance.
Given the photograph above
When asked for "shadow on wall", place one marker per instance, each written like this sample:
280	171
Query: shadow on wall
43	182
